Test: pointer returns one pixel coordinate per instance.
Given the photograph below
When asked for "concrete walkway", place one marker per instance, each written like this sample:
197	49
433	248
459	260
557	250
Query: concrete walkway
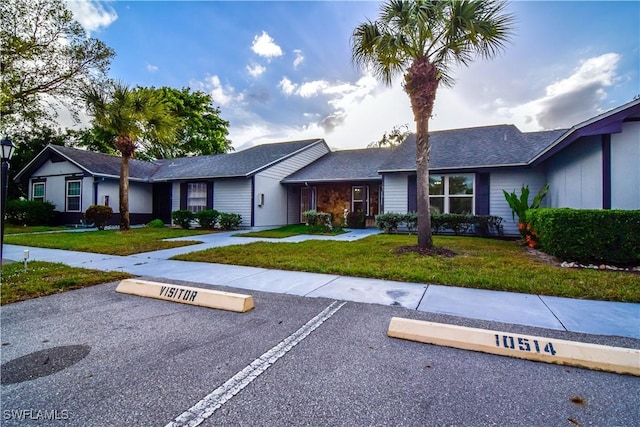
585	316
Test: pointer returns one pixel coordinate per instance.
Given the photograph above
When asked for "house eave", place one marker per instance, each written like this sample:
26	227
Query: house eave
321	180
268	165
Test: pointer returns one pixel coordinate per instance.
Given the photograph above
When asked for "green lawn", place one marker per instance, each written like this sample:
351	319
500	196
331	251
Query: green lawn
111	242
479	263
45	278
18	229
290	230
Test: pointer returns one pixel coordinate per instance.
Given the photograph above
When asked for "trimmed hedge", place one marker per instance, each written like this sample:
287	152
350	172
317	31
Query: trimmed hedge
230	221
588	235
207	218
183	218
98	215
30	212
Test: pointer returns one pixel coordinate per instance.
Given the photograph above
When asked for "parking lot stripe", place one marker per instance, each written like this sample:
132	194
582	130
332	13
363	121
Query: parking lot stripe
213	401
541	349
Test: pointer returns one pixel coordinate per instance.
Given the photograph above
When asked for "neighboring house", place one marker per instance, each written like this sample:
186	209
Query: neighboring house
595	164
246	182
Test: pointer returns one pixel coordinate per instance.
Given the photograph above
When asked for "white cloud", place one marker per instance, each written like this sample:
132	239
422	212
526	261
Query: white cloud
313	88
264	46
222	95
152	68
299	59
256	69
570	100
287	86
92	15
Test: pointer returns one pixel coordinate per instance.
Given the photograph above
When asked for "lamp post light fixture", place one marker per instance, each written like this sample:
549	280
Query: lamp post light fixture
7	151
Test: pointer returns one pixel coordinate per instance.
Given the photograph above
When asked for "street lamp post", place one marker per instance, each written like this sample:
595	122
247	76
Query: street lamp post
7	151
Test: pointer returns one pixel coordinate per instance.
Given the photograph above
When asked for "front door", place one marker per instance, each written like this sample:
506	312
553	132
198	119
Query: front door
162	201
307	201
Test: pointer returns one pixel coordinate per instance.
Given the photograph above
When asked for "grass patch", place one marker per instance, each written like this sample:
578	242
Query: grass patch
479	263
19	229
110	242
46	278
292	230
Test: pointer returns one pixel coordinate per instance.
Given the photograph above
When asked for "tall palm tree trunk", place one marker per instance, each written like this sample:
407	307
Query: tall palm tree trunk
423	154
421	84
124	193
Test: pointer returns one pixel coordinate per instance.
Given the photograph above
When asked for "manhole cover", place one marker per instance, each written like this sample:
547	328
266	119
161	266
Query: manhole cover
42	363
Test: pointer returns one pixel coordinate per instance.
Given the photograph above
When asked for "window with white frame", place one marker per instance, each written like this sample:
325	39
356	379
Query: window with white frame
451	194
73	196
196	196
38	191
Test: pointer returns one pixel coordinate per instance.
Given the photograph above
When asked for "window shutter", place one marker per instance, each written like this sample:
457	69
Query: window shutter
183	195
210	195
412	196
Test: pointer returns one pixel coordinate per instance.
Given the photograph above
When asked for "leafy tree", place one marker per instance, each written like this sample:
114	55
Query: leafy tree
200	129
393	138
422	40
28	145
129	115
46	59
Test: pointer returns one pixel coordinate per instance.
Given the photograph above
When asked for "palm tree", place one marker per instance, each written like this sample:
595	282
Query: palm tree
129	117
422	40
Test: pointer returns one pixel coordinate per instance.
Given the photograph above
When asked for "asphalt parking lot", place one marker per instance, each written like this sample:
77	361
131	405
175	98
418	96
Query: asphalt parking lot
94	357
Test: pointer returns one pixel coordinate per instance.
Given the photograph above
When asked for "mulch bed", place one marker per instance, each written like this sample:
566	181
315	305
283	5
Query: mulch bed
426	251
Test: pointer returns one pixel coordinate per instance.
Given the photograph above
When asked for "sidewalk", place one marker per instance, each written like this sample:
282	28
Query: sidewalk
585	316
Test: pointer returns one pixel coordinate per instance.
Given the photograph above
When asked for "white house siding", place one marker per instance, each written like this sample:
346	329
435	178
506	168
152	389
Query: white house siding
625	167
233	195
575	175
111	188
55	187
140	198
275	211
512	181
395	190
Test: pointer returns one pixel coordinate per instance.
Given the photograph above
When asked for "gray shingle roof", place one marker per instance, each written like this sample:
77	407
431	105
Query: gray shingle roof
242	163
481	147
105	164
353	165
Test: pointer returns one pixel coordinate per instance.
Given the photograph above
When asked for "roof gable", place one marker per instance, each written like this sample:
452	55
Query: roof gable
92	163
352	165
240	164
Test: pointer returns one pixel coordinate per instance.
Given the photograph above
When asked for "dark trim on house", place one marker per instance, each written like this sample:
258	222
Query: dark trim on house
253	199
606	171
183	195
482	194
210	195
412	193
36	180
74	177
95	192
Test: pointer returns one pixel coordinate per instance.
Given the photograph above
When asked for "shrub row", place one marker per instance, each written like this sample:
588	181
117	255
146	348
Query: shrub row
484	225
207	218
30	212
318	221
588	236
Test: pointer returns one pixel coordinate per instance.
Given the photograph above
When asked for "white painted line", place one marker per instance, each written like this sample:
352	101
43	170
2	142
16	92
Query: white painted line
187	295
549	350
213	401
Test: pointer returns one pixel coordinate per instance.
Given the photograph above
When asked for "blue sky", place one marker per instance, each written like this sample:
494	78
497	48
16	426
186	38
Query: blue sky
282	70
